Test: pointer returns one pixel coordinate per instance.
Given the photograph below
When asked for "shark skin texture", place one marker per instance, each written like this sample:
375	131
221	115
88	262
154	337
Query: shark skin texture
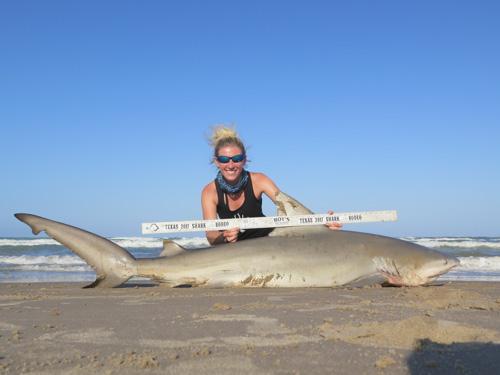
312	256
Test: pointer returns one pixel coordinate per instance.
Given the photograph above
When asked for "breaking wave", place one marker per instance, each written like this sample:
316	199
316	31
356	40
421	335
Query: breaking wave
127	242
456	242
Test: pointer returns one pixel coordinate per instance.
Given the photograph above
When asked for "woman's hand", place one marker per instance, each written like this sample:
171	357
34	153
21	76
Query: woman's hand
333	226
231	235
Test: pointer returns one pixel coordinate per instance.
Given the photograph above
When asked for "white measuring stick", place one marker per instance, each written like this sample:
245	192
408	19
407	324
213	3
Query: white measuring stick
267	222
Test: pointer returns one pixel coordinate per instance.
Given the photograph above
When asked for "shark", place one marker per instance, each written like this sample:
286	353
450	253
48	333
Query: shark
312	256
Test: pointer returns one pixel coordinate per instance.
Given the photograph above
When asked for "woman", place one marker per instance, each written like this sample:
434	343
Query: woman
235	192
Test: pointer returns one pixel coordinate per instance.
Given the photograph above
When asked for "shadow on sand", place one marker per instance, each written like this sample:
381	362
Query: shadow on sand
138	284
457	358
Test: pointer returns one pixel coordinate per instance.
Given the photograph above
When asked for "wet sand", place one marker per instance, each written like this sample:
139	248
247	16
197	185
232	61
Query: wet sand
141	328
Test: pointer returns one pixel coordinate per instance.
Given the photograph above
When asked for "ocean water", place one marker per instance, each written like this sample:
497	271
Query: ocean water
45	260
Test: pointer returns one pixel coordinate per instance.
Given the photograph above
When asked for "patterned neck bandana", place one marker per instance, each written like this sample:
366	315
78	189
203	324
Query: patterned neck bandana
232	189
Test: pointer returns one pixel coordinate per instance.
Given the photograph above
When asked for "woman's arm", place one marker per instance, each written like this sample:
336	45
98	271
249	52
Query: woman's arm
263	184
209	207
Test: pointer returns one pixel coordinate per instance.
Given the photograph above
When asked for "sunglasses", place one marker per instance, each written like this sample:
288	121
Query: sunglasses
236	158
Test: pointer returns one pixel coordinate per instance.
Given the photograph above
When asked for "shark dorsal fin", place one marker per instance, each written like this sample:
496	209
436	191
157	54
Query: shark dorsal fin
288	206
170	248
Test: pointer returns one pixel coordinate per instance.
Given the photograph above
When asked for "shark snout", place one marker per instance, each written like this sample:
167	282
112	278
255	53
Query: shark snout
451	262
441	267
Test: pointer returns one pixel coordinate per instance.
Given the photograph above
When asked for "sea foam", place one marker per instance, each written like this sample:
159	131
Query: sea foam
455	242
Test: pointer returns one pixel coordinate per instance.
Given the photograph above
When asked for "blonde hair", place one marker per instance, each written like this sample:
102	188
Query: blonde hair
222	136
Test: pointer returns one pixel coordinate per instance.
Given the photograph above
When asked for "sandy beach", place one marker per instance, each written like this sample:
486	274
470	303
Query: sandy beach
142	328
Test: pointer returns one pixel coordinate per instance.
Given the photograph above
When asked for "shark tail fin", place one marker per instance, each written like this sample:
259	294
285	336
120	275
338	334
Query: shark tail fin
113	264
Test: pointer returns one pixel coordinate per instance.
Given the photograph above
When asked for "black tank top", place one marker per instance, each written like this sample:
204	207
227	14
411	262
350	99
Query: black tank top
251	207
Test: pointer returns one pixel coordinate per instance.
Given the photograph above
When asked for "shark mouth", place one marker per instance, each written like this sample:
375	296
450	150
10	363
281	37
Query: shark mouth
407	276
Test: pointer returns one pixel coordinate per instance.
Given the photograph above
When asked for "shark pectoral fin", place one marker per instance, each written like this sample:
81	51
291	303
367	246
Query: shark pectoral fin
288	206
368	280
170	248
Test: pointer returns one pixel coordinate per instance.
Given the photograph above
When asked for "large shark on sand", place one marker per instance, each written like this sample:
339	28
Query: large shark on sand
289	257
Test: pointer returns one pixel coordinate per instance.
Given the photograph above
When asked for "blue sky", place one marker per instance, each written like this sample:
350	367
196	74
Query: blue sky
358	105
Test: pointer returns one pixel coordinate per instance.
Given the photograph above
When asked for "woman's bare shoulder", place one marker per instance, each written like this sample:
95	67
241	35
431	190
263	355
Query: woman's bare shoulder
209	190
259	177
